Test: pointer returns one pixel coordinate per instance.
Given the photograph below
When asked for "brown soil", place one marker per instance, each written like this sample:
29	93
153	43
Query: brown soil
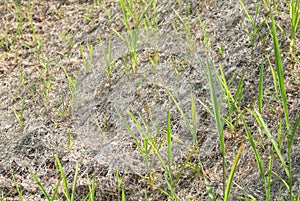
102	143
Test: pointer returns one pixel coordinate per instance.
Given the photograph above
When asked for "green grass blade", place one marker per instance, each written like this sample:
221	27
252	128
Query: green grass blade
194	119
268	184
181	113
74	183
259	160
123	195
290	143
144	13
18	189
131	132
66	188
209	190
261	121
40	185
294	131
55	190
230	178
260	88
218	118
252	22
125	16
280	75
169	141
192	151
274	76
237	97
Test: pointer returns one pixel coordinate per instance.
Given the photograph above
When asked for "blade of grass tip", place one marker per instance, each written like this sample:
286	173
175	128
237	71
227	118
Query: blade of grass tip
5	195
118	34
40	185
260	88
66	190
230	178
280	75
246	193
245	11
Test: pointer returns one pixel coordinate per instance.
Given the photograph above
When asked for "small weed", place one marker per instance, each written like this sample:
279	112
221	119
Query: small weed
108	11
70	142
23	83
70	41
87	59
255	32
121	190
108	60
20	114
92	188
72	87
45	82
5	41
88	14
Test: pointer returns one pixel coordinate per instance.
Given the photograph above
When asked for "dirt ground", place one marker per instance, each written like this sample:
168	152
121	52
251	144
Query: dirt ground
91	113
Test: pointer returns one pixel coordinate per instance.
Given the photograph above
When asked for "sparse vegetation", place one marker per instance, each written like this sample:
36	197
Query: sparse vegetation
257	133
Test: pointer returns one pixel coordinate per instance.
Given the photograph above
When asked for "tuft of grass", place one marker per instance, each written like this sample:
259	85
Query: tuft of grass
130	11
69	196
294	6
